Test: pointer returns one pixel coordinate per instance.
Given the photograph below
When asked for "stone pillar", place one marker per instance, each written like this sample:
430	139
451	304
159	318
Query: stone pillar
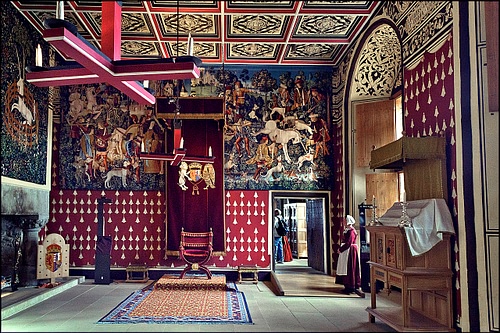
27	274
28	267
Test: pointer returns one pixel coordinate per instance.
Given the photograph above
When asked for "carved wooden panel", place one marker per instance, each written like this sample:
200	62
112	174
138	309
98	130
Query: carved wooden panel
379	245
391	250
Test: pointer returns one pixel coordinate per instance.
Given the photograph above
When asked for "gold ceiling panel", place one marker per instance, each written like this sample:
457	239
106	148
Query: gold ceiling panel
243	32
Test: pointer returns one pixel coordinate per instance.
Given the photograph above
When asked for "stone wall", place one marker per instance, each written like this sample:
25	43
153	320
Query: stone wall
24	212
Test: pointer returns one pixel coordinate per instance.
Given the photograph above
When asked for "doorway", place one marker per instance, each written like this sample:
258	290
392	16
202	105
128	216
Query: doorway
307	215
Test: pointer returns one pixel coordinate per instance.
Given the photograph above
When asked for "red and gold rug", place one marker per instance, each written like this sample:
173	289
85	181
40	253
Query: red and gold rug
188	300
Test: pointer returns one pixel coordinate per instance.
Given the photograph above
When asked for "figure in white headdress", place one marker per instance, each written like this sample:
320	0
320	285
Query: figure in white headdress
348	266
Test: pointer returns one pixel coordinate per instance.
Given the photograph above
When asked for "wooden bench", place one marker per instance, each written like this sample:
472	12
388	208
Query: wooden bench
131	277
247	269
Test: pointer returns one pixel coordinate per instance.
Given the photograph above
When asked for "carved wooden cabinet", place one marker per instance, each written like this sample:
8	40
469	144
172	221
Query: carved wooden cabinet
423	281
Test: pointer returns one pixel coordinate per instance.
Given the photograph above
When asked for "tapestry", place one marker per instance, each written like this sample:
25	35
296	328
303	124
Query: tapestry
25	109
182	305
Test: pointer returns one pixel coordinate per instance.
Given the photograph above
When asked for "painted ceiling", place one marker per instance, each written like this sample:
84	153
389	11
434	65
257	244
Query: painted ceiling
237	32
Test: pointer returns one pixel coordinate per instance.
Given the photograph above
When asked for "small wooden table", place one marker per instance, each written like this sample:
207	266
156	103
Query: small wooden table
243	269
131	269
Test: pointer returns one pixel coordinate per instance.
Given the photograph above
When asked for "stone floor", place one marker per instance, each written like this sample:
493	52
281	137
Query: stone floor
77	304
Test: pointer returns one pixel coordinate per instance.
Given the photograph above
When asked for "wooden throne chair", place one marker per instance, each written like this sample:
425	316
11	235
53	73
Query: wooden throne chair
196	249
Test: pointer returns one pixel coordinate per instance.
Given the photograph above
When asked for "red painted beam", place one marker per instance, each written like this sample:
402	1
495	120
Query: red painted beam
71	76
177	136
99	68
81	51
92	59
158	71
178	156
56	77
111	26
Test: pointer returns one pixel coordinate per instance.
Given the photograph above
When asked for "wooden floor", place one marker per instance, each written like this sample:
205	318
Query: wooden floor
295	278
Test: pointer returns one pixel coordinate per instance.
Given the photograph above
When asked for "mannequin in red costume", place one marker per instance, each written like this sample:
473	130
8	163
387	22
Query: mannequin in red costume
287	250
348	266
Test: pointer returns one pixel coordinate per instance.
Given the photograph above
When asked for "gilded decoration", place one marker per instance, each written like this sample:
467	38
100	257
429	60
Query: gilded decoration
332	25
419	23
258	24
379	64
289	32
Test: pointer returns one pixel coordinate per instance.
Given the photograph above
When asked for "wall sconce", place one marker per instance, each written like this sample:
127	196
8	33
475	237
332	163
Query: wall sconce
38	56
190	47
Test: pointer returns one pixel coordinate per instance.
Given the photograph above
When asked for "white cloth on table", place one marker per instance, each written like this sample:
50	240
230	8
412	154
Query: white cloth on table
430	218
342	262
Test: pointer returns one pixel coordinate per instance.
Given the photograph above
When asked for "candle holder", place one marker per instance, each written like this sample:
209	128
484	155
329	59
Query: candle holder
405	218
374	220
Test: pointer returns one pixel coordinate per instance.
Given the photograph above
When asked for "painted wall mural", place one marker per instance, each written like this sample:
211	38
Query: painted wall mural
378	69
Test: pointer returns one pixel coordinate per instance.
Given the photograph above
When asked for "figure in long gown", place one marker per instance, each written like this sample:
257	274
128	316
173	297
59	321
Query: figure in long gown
348	265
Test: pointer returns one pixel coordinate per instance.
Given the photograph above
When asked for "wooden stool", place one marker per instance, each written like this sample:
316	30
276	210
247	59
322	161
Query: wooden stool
242	269
131	269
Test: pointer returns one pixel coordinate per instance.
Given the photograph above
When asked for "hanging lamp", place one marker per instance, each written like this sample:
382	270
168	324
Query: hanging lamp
96	66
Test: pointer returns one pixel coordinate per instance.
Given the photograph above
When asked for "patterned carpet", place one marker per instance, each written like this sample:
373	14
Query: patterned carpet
190	282
191	300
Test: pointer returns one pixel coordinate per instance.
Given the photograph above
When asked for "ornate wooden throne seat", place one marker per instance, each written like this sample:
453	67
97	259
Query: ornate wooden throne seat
196	249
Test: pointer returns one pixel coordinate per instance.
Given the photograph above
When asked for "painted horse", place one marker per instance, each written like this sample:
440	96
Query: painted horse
281	136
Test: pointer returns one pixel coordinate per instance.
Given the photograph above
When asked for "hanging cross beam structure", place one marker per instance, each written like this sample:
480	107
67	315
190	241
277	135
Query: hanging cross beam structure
179	153
96	66
178	156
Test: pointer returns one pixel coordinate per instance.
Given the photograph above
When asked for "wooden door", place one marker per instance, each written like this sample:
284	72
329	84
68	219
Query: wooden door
301	230
315	234
375	127
385	188
290	216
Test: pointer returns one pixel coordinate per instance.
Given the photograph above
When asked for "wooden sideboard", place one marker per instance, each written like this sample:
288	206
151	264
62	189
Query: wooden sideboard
424	282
